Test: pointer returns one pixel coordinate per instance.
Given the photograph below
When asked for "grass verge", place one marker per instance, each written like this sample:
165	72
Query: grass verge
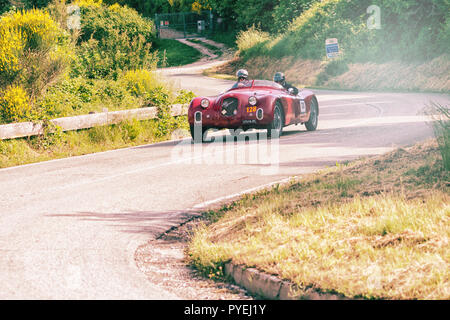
172	53
373	228
227	38
431	76
73	143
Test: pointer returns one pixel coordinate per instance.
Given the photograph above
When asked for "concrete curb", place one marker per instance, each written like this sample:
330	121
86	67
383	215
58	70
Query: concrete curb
273	288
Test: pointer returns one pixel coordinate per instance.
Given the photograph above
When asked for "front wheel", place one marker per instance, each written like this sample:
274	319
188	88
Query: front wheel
311	125
275	128
198	133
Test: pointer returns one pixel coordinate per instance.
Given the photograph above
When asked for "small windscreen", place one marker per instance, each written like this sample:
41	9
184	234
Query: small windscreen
242	84
257	83
267	83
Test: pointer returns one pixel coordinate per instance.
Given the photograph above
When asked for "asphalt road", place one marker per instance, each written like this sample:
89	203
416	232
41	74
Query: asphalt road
69	228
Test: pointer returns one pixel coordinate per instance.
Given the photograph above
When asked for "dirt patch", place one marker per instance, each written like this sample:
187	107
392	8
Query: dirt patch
163	262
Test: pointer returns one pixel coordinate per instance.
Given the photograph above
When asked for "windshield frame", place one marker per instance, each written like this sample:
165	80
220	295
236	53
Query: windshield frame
257	84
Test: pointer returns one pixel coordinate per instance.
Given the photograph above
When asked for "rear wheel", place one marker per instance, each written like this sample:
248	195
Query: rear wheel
311	125
275	128
199	133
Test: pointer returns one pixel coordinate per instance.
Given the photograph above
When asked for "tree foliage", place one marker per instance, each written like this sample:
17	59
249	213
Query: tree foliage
410	30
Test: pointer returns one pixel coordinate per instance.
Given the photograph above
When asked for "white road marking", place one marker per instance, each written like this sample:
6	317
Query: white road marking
235	195
354	104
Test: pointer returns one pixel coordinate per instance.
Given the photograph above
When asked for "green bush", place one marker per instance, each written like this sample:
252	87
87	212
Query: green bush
5	5
414	30
81	96
286	11
145	84
184	97
113	39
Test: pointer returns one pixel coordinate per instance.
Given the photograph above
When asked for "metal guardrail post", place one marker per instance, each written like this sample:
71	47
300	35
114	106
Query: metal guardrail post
211	23
184	24
157	26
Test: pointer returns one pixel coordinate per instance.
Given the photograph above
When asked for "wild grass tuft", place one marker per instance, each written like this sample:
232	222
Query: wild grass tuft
373	228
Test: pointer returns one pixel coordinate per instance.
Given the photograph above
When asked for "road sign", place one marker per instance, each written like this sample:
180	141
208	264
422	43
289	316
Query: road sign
332	48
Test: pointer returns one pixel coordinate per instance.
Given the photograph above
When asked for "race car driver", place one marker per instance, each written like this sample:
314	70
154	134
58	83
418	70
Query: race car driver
280	79
242	76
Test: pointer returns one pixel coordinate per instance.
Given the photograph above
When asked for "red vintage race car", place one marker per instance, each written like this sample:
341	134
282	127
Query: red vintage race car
259	104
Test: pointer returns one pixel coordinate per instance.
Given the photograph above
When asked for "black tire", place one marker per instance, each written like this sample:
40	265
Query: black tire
198	139
311	125
275	128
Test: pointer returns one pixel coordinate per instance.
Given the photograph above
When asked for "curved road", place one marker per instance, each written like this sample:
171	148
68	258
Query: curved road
69	228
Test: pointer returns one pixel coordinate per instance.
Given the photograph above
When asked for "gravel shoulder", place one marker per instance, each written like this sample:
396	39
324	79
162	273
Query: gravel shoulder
163	262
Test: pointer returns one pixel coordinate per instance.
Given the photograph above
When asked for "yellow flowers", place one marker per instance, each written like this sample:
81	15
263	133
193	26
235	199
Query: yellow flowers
14	104
139	82
32	25
200	5
115	7
34	51
197	7
21	31
86	3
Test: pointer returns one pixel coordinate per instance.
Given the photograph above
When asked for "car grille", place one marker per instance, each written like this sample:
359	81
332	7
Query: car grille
229	107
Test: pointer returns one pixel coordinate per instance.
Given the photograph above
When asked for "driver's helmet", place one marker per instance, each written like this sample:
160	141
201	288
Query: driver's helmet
279	78
242	74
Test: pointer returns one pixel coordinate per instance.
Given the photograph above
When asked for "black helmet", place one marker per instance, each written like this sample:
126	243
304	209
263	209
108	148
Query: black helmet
279	78
242	74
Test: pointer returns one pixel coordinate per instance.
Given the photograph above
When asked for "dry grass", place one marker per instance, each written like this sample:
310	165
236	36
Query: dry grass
375	228
430	76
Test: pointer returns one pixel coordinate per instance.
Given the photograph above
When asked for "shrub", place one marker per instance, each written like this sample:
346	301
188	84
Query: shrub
5	5
414	30
286	11
34	50
441	127
15	105
251	38
184	97
112	40
81	96
144	83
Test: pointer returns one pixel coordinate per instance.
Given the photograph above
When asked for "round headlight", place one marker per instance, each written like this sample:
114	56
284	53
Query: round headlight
252	100
204	103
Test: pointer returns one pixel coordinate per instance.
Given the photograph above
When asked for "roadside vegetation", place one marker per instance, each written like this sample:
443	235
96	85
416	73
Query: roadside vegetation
48	70
172	53
375	228
51	71
408	52
56	144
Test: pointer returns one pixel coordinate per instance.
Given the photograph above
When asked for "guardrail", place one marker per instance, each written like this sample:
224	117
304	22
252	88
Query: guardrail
27	129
